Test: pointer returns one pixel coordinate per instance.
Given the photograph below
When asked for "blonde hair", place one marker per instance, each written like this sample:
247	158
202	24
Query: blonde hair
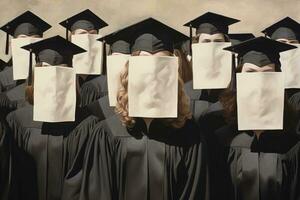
122	102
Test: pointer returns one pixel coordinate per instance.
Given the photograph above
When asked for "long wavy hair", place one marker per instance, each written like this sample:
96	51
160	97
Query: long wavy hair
229	102
122	102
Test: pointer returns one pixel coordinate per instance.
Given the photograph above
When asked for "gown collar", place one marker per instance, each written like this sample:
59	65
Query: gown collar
273	142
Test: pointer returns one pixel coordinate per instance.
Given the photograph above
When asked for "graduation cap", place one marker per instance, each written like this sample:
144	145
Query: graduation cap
119	41
236	38
259	51
210	23
286	28
86	20
27	23
152	36
54	51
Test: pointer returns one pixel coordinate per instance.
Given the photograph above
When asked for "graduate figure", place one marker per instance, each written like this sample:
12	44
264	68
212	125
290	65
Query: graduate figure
151	149
259	140
84	28
25	29
38	151
101	109
287	31
211	64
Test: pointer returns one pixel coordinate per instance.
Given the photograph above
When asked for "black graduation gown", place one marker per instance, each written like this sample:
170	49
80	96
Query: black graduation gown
92	90
25	152
64	148
265	168
10	101
200	102
14	160
6	79
22	119
211	123
294	98
101	110
52	147
163	163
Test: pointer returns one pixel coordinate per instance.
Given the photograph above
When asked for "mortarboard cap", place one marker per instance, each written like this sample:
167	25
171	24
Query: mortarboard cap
236	38
260	51
152	36
27	23
286	28
54	51
86	20
119	41
210	23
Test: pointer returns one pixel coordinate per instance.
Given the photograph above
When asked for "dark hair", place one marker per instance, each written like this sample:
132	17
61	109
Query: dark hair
185	67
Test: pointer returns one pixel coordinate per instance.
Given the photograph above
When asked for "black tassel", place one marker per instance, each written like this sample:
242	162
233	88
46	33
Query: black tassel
233	73
7	44
104	58
67	35
30	69
191	38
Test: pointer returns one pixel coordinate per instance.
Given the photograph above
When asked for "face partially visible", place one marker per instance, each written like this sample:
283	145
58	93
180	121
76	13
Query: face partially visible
287	41
160	53
82	31
249	67
118	53
27	36
206	38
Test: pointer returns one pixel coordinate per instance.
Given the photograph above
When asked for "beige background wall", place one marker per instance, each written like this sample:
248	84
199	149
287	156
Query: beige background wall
254	14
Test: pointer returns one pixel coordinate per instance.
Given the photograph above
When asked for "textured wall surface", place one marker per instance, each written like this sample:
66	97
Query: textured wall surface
254	14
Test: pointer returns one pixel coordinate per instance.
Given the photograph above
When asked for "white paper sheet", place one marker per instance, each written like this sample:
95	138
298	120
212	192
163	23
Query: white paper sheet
115	64
260	100
153	86
211	65
89	62
290	65
54	94
21	57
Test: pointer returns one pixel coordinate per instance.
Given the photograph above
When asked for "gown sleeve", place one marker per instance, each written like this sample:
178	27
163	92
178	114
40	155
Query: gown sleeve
6	79
93	90
91	174
196	181
17	168
291	168
294	100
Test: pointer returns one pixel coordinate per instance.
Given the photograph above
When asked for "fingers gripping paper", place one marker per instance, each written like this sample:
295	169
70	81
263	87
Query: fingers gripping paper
290	65
115	64
260	100
153	86
54	94
21	57
211	65
89	62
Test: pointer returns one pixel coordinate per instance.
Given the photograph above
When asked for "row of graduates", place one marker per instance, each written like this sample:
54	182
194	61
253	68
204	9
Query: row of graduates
146	134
